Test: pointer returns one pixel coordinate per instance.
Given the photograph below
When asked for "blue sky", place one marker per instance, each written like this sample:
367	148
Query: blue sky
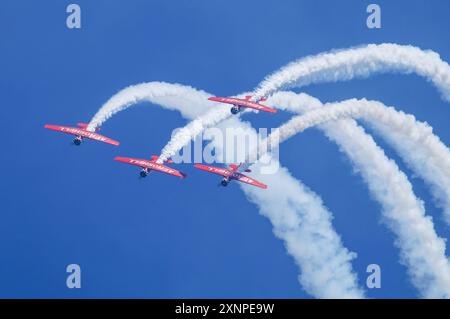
164	237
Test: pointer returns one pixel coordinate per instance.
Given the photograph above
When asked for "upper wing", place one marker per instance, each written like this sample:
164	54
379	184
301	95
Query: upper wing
212	169
151	165
248	180
80	132
244	103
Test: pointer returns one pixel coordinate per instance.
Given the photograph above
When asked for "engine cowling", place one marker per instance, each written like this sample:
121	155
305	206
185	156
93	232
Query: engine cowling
235	109
143	173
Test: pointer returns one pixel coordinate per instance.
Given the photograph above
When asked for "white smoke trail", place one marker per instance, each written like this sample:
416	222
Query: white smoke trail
415	142
359	62
185	99
183	137
345	65
334	66
300	218
138	99
422	251
424	154
170	96
299	214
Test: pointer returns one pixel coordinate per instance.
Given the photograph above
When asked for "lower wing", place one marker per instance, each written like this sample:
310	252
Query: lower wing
150	165
243	103
248	180
100	138
81	132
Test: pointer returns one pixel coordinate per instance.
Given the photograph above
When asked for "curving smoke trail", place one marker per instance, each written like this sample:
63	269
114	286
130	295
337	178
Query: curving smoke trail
184	136
346	65
313	287
188	101
334	66
191	103
422	251
424	153
301	220
359	62
298	216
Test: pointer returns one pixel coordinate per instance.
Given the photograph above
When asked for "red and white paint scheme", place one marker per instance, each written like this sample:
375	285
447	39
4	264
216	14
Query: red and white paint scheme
80	132
239	103
150	165
230	174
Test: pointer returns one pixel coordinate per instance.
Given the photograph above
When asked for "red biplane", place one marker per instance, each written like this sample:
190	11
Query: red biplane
81	132
239	103
230	174
151	165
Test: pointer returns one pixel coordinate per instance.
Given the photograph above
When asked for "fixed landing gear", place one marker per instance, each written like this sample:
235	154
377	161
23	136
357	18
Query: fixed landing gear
235	109
77	141
144	173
